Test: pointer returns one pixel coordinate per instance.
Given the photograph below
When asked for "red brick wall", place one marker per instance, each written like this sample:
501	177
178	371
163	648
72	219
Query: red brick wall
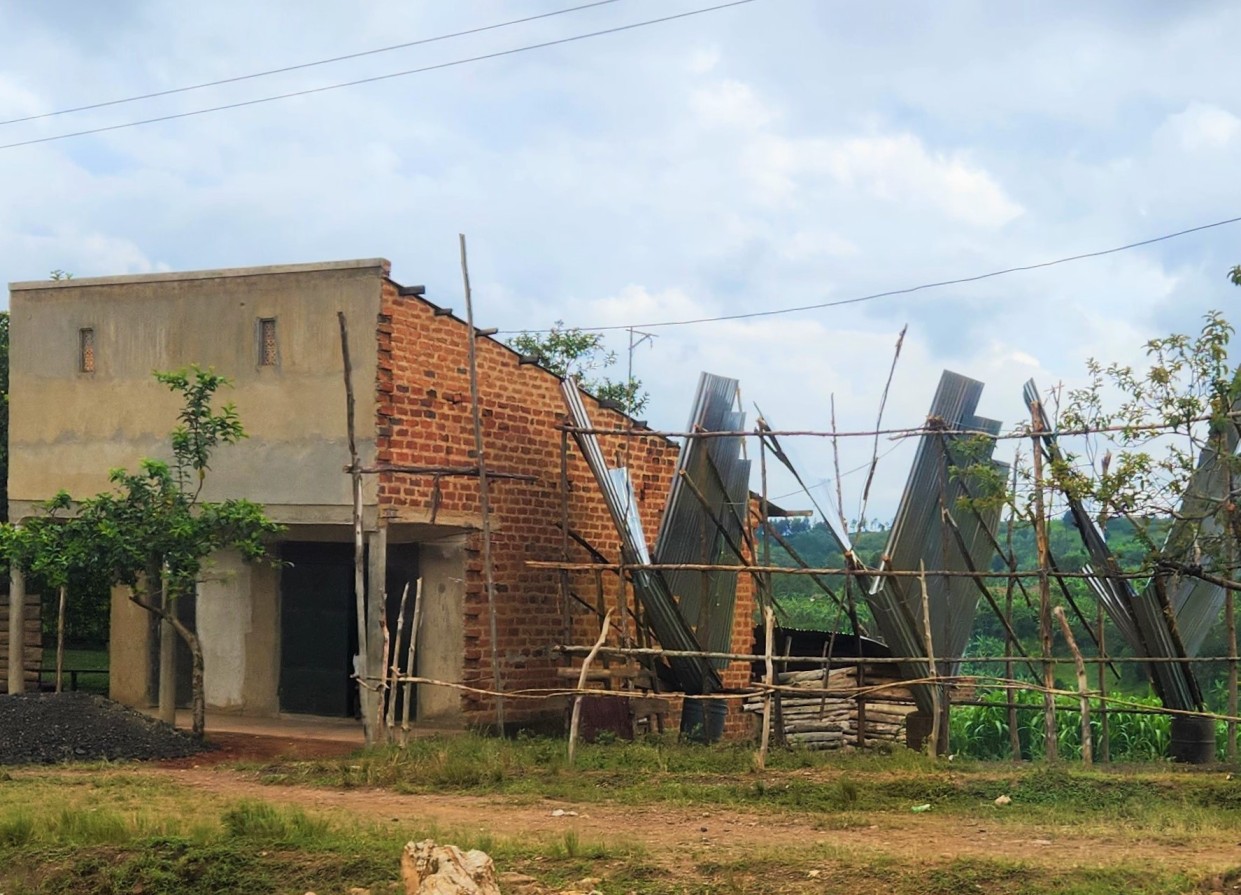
424	418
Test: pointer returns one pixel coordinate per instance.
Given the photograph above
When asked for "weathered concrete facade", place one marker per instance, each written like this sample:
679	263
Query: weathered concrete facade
274	331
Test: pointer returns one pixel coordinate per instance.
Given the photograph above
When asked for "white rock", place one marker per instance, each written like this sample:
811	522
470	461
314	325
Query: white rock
430	869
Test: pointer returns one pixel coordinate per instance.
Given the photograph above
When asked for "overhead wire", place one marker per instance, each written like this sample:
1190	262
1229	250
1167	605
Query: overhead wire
309	91
304	65
749	315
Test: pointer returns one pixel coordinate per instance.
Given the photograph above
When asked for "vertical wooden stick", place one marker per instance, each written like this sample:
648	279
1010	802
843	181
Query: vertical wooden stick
394	658
769	634
581	684
930	661
484	496
1230	620
1010	692
359	547
411	669
1105	744
382	687
1083	687
1050	746
60	639
567	614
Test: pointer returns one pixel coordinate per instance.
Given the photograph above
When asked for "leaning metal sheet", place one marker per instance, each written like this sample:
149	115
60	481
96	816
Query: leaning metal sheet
706	512
920	539
695	675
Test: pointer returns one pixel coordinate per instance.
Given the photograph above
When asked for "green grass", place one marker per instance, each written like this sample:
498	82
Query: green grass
84	660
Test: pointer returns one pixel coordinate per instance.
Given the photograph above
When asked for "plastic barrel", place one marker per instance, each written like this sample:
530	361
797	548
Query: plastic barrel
702	720
1193	740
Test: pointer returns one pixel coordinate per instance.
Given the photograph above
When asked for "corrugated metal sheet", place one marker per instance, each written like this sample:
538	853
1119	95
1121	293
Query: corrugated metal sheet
696	676
920	539
1140	616
693	533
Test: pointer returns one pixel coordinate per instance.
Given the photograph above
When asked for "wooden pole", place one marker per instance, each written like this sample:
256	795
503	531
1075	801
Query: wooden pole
1230	620
936	694
1105	738
484	494
581	684
1050	746
394	658
365	700
60	638
563	574
1014	729
410	668
769	633
1083	687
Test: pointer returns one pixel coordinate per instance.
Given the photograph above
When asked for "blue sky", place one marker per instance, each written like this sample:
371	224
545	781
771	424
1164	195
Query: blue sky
781	153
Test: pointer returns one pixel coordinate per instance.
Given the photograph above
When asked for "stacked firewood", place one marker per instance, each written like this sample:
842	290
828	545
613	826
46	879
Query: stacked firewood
830	720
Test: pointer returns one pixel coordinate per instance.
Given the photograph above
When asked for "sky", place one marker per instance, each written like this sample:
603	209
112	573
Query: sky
775	154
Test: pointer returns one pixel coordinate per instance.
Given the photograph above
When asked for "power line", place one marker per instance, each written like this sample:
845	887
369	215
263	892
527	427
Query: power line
893	292
304	65
387	77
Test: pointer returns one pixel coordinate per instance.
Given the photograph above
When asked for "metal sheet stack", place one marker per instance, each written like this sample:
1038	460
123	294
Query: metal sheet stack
693	530
921	537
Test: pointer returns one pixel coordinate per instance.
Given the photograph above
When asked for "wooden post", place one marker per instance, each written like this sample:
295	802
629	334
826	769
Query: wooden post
377	621
567	619
1105	744
484	498
365	694
1050	746
60	638
411	668
769	632
394	659
936	695
1230	620
1083	688
1010	692
581	684
17	629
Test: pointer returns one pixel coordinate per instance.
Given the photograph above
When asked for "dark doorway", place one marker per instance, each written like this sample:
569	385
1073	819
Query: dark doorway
317	629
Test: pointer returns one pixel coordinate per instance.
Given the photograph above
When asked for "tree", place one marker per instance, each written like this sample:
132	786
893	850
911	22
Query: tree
151	533
572	353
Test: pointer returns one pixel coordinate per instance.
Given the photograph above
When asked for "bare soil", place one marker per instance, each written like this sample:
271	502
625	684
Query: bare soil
726	834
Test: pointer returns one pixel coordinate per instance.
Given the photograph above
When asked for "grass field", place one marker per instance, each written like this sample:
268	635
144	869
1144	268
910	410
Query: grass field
652	817
94	662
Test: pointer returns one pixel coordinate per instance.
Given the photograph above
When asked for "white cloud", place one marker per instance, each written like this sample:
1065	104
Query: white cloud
1202	127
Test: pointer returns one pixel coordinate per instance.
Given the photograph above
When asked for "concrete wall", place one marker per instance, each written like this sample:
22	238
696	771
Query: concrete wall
238	626
68	428
441	564
129	652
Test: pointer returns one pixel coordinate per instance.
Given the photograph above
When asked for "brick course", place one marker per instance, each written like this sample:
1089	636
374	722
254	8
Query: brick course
423	418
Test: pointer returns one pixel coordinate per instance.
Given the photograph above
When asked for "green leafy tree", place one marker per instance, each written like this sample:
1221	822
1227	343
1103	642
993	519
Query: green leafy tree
151	533
571	353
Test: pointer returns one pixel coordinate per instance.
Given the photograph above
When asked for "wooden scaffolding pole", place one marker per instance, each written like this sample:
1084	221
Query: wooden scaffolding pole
484	499
1044	590
360	668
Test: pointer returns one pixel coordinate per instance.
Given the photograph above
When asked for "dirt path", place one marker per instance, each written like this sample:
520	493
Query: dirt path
669	831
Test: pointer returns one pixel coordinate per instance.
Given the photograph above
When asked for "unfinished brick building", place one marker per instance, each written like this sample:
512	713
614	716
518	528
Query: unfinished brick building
280	638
